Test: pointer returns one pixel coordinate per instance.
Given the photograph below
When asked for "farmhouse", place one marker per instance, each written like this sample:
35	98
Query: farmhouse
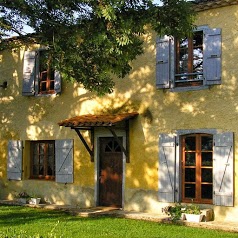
168	132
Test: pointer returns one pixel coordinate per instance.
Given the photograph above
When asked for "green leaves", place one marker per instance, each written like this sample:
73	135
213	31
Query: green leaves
175	18
108	12
92	40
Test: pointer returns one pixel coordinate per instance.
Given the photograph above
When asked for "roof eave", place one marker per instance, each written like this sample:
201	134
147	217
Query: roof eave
89	121
202	5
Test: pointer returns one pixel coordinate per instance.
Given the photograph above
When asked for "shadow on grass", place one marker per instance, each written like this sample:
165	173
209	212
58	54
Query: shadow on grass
17	215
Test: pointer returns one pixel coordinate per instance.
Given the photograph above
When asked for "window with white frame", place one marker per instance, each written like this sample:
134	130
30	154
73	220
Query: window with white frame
191	62
196	166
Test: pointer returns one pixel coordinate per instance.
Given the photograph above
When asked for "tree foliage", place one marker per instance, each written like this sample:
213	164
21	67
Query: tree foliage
91	40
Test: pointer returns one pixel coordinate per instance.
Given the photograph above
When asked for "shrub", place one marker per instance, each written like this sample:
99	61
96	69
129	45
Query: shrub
192	209
22	195
175	212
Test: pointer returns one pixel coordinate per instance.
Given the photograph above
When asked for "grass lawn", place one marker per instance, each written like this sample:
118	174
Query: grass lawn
25	222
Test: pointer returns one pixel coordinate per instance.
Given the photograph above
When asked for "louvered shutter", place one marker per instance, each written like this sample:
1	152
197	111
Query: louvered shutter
28	85
223	169
14	160
166	168
163	46
57	82
212	56
64	161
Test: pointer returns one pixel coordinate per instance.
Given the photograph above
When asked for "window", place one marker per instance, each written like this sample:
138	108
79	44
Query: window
39	78
196	166
48	160
46	74
43	159
189	63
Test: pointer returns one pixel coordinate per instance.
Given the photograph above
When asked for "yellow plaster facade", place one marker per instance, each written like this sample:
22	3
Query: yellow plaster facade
160	111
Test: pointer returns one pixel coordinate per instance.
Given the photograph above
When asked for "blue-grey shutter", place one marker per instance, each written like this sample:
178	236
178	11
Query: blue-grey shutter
57	82
163	46
166	168
37	72
14	160
223	174
28	84
212	56
64	161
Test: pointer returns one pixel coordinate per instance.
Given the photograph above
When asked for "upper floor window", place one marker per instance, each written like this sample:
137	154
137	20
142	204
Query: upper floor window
46	74
39	78
189	63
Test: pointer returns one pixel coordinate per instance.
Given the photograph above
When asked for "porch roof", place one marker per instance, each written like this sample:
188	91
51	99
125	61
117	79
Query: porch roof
90	120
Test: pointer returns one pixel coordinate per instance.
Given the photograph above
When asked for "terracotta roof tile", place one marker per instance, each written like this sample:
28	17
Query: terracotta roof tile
201	5
90	120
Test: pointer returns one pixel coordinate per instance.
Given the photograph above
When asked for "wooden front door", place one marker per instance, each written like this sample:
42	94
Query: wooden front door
110	172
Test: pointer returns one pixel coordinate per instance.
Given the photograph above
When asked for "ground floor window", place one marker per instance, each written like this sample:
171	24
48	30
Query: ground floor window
197	168
43	159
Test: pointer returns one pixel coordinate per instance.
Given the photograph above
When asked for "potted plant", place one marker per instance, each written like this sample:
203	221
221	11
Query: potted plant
175	212
22	197
193	213
34	200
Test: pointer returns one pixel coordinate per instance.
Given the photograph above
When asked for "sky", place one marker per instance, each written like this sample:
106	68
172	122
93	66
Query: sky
27	29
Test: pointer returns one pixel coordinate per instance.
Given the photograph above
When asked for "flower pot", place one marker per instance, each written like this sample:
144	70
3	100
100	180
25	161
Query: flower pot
34	201
183	217
193	217
22	200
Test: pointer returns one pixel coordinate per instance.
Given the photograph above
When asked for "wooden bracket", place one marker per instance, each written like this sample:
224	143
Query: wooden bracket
90	150
120	144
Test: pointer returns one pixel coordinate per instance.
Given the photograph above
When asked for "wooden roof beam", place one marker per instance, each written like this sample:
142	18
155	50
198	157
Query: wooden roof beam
126	152
90	150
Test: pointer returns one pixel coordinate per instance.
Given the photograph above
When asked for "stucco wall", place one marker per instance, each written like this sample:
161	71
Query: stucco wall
35	118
